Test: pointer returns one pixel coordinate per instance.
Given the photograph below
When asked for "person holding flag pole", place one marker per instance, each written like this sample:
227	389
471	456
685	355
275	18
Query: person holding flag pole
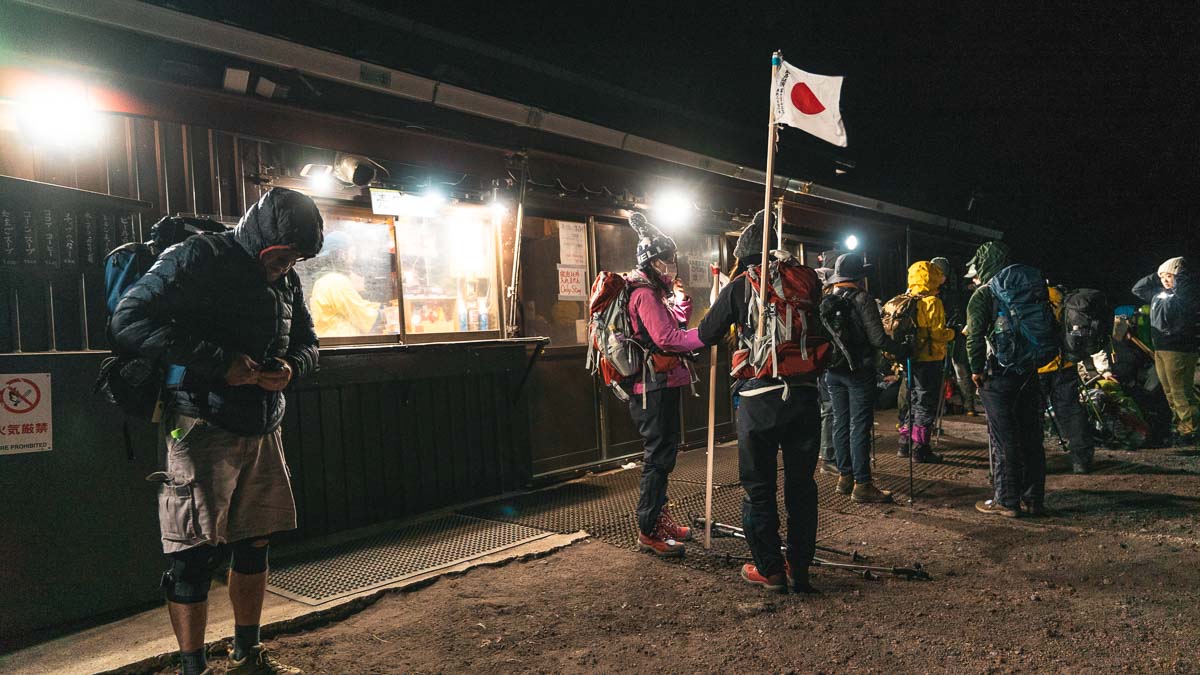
772	300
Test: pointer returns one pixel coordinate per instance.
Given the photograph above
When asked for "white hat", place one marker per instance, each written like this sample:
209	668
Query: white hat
1172	266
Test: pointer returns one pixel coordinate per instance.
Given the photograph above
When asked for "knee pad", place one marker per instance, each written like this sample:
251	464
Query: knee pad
248	558
190	575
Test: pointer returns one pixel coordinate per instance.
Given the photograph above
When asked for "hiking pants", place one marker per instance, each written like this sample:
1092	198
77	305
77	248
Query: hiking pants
853	398
659	426
1061	389
927	386
962	374
1176	372
766	423
827	449
1014	421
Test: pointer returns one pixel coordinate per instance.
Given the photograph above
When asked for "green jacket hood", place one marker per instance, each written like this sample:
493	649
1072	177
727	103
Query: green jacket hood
991	257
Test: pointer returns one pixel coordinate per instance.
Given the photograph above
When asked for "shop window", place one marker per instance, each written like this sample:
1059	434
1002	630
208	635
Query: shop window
448	270
350	287
554	280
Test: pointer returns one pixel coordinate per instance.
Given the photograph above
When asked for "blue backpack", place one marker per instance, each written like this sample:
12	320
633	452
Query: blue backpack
131	382
1025	336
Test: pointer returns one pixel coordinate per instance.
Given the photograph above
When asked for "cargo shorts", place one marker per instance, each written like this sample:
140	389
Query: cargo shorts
218	487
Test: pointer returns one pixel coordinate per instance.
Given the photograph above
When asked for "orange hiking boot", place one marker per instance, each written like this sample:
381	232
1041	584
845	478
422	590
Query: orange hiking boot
660	545
776	583
671	528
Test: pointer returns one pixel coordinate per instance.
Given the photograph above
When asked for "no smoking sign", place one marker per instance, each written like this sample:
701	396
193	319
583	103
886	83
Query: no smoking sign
26	423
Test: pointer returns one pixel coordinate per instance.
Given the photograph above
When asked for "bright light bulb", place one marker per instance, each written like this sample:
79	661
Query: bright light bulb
321	182
672	209
851	243
59	113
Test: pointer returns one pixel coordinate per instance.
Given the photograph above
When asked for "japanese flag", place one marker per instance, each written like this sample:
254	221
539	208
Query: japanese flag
809	102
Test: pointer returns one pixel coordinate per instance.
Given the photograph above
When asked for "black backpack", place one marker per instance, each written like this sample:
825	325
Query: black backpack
841	323
1086	319
134	383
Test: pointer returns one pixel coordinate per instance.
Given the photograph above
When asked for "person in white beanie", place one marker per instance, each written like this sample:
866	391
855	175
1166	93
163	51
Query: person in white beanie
1175	329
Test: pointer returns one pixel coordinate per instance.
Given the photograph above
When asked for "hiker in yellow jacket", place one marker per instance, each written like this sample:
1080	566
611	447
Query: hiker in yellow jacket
929	352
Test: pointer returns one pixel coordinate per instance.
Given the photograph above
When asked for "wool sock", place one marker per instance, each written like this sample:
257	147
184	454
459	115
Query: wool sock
193	662
244	639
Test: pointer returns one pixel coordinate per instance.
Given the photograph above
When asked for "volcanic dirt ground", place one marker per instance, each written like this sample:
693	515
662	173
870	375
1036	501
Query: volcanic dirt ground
1108	582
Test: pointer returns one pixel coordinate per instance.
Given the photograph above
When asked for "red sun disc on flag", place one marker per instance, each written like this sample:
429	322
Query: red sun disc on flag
805	100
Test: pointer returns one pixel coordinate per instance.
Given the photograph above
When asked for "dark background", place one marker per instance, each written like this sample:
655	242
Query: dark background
1070	126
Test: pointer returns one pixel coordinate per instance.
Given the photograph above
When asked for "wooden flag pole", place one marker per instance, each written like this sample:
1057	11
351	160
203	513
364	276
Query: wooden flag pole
712	418
776	60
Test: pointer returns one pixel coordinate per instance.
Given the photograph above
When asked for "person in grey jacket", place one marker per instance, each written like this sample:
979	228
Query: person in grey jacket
851	380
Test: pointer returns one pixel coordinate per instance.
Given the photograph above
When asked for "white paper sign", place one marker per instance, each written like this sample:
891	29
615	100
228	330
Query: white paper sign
572	283
581	332
699	274
25	421
386	202
572	244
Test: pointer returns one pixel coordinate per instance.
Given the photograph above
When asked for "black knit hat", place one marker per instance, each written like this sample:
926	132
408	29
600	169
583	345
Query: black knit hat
652	243
750	241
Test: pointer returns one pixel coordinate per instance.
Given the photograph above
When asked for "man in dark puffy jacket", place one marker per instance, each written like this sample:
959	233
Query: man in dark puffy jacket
1175	326
227	313
851	383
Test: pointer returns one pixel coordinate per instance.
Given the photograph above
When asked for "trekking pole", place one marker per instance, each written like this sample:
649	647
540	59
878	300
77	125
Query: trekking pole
712	418
908	379
941	409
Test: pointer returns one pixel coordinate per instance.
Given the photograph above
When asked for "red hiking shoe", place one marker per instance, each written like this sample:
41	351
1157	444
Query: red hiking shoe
672	529
660	545
776	583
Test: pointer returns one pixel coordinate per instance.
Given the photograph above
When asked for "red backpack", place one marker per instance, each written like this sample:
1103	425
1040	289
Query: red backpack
612	350
792	344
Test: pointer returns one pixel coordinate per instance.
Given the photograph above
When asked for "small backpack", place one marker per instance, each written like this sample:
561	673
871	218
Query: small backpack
131	382
1025	335
1085	319
899	318
792	343
612	350
838	318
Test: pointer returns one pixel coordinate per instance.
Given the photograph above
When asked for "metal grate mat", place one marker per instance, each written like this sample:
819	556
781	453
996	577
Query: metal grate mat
364	564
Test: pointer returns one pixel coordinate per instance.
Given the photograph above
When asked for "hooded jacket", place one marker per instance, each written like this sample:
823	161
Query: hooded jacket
1174	314
204	302
924	280
991	257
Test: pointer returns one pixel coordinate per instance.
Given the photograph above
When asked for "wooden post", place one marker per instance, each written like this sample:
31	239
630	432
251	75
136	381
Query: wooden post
776	60
712	417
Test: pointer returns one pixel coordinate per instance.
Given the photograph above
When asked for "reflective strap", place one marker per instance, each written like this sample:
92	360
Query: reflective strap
803	336
762	390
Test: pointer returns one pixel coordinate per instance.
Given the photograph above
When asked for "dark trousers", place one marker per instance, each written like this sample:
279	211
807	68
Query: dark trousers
1014	420
827	449
853	398
766	424
659	426
1061	389
927	386
962	373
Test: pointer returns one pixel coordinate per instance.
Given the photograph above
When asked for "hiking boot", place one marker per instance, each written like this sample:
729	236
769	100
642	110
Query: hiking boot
845	484
672	529
776	583
1080	466
660	545
993	507
971	412
830	468
798	581
902	451
1183	440
869	494
923	455
260	662
1033	509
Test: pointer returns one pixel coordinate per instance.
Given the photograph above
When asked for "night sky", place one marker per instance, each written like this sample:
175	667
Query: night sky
1075	125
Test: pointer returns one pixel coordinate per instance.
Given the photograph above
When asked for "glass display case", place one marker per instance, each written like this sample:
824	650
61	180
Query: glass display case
448	270
350	286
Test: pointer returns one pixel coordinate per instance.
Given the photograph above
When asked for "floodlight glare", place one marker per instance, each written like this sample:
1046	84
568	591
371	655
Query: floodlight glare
851	243
58	113
672	209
